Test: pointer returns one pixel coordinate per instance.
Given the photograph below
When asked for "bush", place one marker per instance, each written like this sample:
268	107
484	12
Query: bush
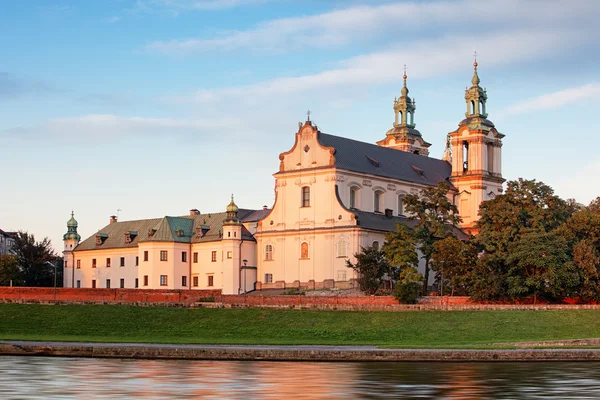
408	292
293	292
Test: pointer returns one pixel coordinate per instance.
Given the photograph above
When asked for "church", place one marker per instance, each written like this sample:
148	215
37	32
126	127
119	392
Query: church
334	195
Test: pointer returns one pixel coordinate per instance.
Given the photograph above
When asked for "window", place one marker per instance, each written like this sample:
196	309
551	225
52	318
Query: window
376	245
213	256
342	249
195	281
304	250
163	280
305	196
184	281
196	257
268	252
145	255
229	255
377	201
66	264
122	283
184	256
211	280
163	255
78	283
78	263
145	280
341	275
137	261
122	264
137	283
93	284
108	263
400	205
93	263
108	283
353	194
268	278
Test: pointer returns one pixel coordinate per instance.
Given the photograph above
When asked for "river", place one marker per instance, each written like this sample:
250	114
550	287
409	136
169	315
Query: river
81	378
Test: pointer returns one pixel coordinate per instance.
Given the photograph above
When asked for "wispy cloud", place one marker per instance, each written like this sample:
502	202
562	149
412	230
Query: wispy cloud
13	86
107	127
113	19
175	7
397	21
554	100
426	58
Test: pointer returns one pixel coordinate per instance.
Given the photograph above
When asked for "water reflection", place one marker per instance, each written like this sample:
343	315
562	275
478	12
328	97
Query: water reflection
78	378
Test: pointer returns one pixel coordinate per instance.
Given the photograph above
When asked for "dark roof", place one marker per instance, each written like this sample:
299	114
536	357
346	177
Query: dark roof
356	156
256	215
166	229
379	222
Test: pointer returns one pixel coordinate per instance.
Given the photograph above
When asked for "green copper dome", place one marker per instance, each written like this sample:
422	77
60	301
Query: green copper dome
72	229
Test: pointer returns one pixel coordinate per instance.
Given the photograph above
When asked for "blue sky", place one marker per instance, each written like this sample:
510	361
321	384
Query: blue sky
153	107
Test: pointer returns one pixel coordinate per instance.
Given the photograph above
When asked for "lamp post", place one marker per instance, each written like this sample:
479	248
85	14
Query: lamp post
442	281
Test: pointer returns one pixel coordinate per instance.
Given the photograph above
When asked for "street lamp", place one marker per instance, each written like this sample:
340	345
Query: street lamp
54	264
245	262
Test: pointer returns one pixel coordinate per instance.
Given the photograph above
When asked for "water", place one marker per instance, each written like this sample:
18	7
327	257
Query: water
80	378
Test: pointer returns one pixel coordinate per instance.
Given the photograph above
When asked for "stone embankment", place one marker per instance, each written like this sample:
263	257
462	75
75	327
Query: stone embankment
214	299
286	353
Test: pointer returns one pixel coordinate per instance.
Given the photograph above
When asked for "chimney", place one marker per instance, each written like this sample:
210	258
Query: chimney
113	219
389	213
265	207
194	211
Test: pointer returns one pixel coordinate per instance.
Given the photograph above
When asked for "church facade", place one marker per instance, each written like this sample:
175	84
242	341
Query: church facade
334	195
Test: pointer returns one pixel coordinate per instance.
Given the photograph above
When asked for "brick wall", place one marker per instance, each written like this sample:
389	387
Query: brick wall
106	295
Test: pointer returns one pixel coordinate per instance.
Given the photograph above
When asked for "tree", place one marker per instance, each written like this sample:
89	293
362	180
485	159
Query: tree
586	258
371	266
9	270
435	217
454	261
595	206
539	265
400	250
408	290
36	260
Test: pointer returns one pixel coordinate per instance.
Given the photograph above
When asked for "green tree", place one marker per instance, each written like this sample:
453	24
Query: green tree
586	258
454	261
435	217
400	250
371	266
9	271
539	265
36	260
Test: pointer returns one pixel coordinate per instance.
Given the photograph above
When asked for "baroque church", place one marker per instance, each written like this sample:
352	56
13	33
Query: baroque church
334	195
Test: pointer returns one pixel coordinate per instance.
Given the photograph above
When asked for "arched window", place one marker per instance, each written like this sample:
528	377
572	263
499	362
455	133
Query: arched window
304	250
465	156
472	107
305	196
399	117
376	245
378	201
268	252
354	197
342	248
400	205
490	158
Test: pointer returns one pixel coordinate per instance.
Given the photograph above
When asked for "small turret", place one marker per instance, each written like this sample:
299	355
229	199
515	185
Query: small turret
232	211
71	238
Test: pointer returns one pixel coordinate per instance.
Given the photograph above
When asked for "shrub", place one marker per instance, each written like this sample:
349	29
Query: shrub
408	293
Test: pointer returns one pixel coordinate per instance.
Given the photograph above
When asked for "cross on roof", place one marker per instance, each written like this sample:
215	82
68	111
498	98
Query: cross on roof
308	115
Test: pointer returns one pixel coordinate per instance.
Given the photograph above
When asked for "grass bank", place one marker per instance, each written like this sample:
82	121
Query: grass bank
428	329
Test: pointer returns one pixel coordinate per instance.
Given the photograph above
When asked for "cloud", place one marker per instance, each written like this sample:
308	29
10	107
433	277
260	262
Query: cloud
577	184
13	86
426	58
105	127
554	100
113	19
397	21
174	7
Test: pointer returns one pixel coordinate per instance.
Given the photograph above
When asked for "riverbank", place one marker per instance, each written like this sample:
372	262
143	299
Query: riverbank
286	353
422	330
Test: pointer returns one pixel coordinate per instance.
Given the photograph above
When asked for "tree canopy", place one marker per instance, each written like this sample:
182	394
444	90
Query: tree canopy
35	261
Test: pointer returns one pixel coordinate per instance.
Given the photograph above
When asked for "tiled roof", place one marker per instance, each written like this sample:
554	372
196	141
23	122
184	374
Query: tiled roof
167	229
256	216
352	155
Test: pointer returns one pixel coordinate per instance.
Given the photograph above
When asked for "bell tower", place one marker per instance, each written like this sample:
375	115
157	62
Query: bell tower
403	136
71	240
476	156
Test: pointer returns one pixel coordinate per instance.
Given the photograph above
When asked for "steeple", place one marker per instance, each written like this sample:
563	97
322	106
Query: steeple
403	136
475	96
232	211
72	229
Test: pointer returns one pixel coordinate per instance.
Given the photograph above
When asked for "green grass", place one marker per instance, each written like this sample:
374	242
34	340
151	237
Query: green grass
426	329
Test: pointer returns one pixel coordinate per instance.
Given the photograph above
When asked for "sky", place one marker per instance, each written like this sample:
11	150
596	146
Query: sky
146	108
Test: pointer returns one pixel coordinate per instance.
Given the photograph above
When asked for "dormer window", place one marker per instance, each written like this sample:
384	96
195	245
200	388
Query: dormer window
101	238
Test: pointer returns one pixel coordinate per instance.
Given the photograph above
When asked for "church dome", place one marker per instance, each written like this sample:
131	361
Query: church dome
72	229
232	208
72	223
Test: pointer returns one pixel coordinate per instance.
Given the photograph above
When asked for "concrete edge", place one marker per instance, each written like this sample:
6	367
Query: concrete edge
248	353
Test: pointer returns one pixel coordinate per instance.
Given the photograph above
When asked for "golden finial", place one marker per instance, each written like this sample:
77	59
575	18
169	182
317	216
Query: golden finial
475	63
404	72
